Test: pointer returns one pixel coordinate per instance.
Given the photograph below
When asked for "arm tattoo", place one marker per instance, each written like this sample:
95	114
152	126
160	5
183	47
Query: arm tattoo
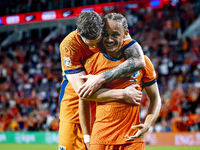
127	68
132	52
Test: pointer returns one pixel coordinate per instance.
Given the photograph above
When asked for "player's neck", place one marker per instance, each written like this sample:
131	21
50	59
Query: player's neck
83	41
113	54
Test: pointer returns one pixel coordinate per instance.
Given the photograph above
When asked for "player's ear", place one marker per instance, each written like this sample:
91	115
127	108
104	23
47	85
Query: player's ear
126	33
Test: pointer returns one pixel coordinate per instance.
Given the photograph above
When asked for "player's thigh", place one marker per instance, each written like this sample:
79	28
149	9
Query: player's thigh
70	136
135	146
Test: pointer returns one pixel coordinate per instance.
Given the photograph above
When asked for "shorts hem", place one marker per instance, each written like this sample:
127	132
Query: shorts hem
116	143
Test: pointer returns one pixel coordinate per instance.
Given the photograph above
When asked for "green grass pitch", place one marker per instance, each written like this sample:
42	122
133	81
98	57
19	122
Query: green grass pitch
27	147
172	148
55	147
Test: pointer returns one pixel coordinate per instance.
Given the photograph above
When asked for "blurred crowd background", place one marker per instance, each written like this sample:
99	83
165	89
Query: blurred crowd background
31	76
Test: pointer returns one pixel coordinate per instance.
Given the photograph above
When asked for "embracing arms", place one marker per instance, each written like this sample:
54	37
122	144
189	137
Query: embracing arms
135	61
130	94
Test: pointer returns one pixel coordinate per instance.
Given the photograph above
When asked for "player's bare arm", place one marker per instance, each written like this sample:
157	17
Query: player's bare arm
84	106
130	94
135	61
153	112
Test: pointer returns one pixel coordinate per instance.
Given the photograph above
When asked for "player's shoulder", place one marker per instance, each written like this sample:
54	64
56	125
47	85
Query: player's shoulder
128	42
146	58
69	38
94	57
148	62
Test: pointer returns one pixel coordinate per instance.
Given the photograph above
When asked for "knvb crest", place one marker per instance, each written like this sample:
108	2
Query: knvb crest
67	61
62	148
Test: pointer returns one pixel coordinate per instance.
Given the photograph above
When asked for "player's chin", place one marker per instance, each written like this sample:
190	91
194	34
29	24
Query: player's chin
111	49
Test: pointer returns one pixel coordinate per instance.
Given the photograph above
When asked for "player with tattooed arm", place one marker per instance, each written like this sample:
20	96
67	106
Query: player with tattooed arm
75	48
117	125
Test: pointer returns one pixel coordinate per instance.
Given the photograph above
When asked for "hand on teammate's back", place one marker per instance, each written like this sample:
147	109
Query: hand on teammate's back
92	84
132	95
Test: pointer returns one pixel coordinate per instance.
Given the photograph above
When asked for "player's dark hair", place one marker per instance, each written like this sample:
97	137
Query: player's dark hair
89	25
117	17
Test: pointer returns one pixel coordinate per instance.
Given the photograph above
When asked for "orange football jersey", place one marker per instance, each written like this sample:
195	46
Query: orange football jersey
73	54
114	119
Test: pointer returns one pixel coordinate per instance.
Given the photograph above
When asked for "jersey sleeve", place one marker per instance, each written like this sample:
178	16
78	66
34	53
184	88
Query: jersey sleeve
127	42
149	77
70	57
